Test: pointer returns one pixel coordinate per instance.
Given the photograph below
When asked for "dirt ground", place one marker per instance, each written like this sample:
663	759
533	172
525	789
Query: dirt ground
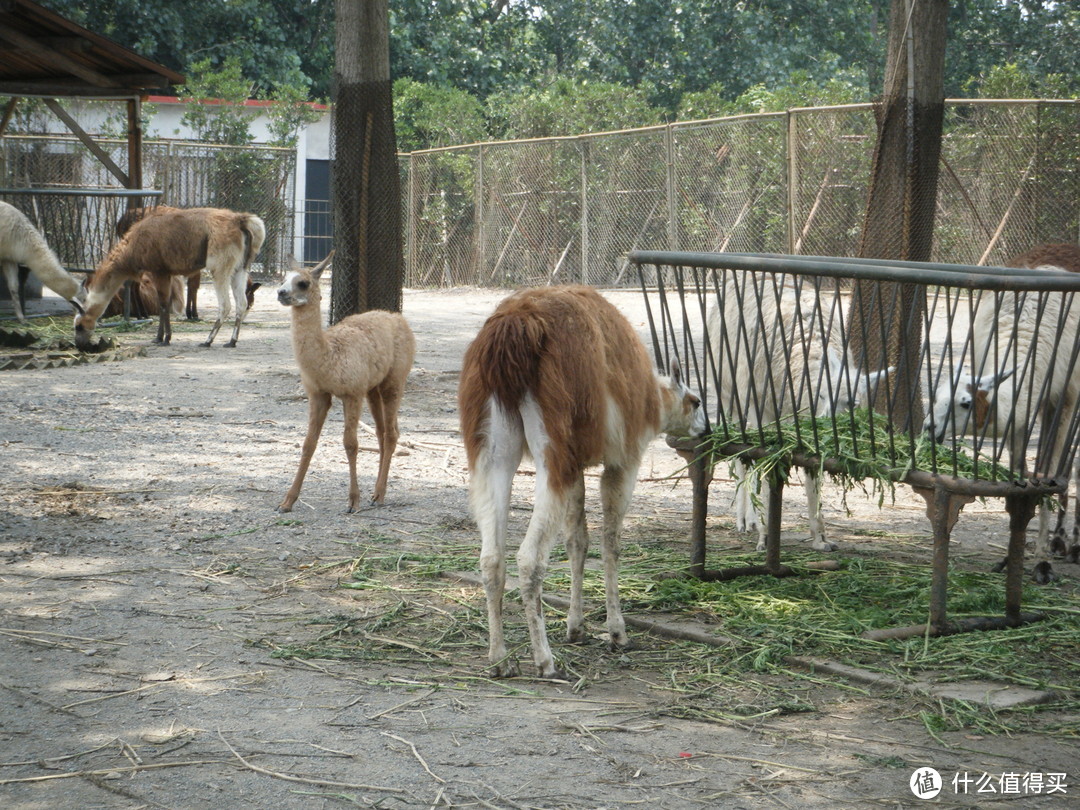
146	579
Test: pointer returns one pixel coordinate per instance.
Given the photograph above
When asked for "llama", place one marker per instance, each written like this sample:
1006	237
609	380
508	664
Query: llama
559	373
144	298
178	242
766	339
367	355
22	244
194	281
1005	329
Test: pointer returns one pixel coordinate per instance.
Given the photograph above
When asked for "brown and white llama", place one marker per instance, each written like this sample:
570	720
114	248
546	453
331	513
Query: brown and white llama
178	242
362	356
22	244
194	281
559	373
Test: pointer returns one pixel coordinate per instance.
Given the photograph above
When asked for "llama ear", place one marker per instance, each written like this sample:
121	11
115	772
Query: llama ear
676	371
78	307
985	383
316	271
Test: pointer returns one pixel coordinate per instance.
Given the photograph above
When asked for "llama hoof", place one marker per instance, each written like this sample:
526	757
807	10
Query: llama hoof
1043	573
1073	555
619	642
824	545
552	674
1001	566
206	343
576	636
505	669
284	508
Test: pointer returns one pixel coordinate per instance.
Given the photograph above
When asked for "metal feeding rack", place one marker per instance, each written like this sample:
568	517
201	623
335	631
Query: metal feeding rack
834	365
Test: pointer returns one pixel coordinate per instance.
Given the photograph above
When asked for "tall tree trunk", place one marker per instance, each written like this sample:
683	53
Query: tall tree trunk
899	224
368	258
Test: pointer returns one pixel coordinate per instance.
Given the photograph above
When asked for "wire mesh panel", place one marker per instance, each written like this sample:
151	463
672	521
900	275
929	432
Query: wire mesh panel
78	224
624	204
531	213
441	212
731	184
830	175
1010	179
526	212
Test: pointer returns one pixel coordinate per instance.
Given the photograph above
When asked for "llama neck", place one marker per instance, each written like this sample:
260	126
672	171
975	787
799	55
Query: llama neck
309	342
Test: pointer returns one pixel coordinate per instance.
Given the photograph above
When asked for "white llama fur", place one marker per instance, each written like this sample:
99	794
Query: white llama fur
21	243
751	341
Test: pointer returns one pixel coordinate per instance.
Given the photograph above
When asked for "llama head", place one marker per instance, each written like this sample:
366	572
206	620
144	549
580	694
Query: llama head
961	405
682	414
301	287
845	387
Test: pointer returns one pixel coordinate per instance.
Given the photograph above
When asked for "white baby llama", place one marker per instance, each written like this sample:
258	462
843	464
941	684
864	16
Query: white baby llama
559	373
995	401
22	244
362	356
776	358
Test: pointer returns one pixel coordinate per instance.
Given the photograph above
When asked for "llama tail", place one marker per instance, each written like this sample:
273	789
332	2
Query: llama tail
254	235
502	363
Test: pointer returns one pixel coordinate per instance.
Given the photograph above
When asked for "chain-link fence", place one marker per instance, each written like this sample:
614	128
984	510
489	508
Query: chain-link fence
569	209
259	179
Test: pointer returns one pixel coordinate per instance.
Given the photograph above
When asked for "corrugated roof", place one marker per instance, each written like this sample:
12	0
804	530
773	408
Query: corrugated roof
44	54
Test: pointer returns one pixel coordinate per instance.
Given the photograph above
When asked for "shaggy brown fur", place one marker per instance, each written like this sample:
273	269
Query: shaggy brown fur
362	356
558	343
178	242
194	281
1065	255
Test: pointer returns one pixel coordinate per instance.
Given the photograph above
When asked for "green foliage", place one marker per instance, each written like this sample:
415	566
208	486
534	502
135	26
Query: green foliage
427	116
570	107
216	111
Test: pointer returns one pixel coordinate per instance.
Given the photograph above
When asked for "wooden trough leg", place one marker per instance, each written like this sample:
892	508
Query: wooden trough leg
700	471
943	507
1021	509
772	529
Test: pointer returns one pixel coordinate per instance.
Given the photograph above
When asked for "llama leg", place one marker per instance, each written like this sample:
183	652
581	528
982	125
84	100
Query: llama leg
318	405
191	306
489	496
745	519
813	503
352	406
548	516
221	287
761	510
577	545
239	293
163	286
616	488
385	402
11	276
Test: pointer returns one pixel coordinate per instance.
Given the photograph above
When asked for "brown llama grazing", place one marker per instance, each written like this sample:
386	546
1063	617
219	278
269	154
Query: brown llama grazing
144	298
194	281
178	242
22	244
559	373
361	356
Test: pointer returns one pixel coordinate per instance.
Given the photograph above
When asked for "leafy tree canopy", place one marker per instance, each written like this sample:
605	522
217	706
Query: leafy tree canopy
539	67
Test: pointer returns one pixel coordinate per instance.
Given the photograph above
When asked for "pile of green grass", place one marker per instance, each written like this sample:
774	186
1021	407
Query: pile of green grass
861	443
